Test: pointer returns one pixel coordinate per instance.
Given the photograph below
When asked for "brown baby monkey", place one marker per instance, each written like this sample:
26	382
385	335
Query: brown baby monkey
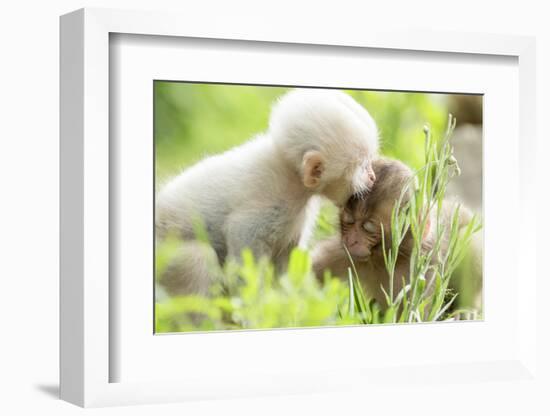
364	219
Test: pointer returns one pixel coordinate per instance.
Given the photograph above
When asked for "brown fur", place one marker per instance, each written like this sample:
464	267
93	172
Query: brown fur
365	246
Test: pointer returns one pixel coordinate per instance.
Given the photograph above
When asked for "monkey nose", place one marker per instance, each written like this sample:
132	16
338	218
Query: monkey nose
366	252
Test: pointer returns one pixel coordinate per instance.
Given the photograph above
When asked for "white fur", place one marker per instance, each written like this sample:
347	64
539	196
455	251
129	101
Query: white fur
325	120
253	194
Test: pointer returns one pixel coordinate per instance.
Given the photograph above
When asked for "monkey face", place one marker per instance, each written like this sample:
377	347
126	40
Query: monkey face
367	214
362	227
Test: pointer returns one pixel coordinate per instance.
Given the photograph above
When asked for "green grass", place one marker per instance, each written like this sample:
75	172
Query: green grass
254	298
422	298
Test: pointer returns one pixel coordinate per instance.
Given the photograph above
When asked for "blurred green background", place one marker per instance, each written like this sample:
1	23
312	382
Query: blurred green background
195	120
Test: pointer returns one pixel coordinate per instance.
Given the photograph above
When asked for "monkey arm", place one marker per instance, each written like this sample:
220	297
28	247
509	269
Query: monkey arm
268	231
329	255
245	229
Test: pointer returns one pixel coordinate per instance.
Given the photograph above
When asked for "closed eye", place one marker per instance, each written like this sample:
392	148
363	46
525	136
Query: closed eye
348	219
370	227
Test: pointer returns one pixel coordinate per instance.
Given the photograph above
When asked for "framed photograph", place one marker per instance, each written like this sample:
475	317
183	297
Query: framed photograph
281	213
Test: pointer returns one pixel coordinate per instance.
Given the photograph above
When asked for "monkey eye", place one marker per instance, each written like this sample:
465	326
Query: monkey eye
348	219
370	227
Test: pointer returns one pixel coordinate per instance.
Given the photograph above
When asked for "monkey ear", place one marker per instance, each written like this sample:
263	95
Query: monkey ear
313	166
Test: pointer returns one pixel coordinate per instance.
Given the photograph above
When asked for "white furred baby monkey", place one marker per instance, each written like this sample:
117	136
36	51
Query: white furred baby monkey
261	194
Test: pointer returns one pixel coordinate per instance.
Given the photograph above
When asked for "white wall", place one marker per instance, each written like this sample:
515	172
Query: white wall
29	184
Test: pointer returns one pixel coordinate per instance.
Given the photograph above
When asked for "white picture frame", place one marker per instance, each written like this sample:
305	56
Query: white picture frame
87	355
